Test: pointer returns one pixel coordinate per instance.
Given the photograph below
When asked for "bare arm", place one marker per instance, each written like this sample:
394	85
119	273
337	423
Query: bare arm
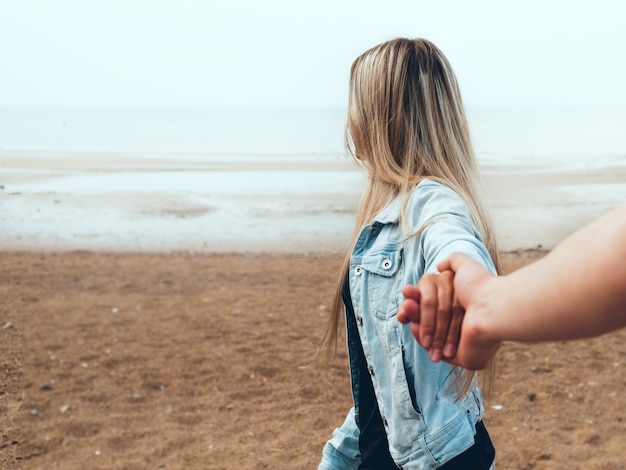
577	290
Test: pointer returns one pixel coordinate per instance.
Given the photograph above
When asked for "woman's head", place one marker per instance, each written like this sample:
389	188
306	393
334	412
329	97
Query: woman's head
405	115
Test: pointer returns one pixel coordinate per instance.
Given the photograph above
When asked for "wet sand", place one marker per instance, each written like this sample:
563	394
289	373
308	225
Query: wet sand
276	205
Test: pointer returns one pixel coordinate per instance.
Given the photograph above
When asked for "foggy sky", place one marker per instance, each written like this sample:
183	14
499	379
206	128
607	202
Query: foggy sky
219	53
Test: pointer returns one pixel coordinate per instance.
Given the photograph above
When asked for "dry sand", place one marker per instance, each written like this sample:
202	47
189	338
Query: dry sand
176	361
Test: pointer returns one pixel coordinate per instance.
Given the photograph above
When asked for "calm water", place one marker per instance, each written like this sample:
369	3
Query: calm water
562	136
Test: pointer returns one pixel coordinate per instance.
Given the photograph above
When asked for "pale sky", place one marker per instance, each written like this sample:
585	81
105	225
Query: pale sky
217	53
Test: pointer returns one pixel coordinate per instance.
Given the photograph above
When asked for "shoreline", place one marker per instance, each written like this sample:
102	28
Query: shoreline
278	205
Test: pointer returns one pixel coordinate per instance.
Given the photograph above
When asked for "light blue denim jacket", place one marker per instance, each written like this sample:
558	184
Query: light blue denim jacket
425	423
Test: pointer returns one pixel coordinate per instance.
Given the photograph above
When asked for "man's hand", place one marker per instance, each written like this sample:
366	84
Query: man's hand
454	317
435	317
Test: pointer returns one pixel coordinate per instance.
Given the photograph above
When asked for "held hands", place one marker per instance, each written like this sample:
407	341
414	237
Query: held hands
447	314
434	315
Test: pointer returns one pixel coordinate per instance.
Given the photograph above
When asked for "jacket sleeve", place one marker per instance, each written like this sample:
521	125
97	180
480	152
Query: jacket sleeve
341	452
447	236
448	229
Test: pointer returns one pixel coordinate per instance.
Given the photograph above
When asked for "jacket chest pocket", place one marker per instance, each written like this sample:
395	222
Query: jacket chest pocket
383	274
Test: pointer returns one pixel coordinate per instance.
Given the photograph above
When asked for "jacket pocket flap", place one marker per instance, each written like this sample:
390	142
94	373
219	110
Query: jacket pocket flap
383	263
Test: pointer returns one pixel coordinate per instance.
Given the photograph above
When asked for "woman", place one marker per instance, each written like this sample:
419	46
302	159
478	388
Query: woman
406	127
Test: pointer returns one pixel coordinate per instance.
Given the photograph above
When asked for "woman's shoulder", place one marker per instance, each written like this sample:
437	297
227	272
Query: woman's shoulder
432	198
428	185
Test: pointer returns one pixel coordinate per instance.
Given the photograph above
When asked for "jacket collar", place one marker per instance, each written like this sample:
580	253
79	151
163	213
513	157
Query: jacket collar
390	214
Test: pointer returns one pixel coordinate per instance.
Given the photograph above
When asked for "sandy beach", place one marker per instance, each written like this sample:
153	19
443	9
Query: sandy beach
155	319
175	361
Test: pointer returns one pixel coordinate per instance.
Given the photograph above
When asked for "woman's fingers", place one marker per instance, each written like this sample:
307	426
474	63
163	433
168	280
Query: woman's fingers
428	309
434	315
443	314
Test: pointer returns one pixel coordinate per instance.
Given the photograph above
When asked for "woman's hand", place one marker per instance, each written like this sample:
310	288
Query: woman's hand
435	316
467	340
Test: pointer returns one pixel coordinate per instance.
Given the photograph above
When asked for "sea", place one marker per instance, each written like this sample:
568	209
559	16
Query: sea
551	136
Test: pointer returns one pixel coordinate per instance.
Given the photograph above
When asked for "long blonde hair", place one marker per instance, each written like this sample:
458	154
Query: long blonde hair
405	123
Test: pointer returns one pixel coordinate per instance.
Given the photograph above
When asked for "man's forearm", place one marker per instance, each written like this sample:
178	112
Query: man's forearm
577	290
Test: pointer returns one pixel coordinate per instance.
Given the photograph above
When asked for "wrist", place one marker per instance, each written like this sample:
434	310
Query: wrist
486	313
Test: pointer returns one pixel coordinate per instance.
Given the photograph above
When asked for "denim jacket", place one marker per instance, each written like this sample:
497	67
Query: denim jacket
426	423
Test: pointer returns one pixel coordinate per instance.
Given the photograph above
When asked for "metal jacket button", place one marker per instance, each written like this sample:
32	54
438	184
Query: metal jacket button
387	264
359	320
358	270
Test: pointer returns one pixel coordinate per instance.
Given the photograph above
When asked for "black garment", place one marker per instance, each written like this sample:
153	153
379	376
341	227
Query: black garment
479	456
373	443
